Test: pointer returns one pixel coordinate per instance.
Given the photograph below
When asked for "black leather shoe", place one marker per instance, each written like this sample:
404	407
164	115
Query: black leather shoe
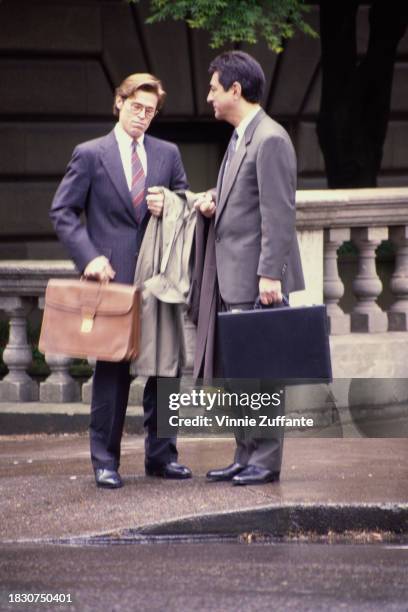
225	473
172	470
253	474
109	479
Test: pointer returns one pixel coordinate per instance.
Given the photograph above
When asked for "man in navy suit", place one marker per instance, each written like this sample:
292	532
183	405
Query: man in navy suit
112	180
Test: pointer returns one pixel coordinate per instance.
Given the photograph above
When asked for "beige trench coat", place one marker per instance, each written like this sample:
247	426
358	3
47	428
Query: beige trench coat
163	274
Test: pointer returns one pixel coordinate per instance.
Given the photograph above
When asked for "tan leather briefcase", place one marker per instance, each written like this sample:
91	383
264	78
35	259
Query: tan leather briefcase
91	319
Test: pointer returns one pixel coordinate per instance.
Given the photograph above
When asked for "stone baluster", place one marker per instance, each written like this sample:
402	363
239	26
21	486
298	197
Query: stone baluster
59	387
87	386
398	313
137	390
333	288
135	393
367	316
17	386
187	380
189	340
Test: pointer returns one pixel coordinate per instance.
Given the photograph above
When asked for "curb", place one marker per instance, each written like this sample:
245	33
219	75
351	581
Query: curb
40	418
284	520
276	521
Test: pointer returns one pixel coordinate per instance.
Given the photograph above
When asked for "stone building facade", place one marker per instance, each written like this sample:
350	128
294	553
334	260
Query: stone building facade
60	61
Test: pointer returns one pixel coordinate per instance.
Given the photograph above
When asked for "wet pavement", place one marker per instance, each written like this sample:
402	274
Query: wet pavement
218	577
47	490
159	545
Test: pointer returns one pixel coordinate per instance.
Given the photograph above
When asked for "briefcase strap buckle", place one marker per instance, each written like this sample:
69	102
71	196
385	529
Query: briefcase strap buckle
87	324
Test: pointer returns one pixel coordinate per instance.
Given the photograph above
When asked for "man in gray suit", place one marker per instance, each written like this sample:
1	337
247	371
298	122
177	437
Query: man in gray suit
112	180
253	211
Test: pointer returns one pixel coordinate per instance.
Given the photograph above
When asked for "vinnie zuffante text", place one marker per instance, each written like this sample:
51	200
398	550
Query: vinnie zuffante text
212	400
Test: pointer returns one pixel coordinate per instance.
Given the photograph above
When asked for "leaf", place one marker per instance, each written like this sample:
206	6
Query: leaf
239	21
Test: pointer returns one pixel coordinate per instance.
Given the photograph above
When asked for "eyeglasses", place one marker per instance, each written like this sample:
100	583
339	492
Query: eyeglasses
136	108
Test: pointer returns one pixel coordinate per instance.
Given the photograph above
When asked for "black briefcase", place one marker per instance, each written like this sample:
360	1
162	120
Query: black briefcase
289	345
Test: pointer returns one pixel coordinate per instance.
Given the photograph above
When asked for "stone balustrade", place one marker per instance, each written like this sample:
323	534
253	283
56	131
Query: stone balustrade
325	220
22	288
366	217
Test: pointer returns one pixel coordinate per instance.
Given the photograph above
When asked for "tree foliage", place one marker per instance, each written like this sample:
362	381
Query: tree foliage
230	21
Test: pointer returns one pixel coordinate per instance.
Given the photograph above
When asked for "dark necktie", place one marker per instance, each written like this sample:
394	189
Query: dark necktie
230	154
138	182
231	148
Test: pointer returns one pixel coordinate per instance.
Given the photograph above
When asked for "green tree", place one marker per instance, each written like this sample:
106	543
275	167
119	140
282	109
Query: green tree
237	21
356	92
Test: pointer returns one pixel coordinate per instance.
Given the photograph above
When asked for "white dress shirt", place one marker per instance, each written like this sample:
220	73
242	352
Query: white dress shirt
240	129
125	149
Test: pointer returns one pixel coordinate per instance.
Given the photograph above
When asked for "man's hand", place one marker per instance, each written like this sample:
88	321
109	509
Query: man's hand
205	204
100	269
155	201
270	291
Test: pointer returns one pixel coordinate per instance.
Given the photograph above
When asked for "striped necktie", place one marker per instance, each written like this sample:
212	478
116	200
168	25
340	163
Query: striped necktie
138	182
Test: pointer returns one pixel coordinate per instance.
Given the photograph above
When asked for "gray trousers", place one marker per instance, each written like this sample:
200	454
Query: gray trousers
265	452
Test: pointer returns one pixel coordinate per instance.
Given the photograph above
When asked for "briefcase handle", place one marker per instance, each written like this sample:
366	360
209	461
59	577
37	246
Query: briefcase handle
283	304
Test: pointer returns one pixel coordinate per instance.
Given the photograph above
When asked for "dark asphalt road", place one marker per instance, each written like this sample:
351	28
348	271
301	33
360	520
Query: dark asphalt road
209	577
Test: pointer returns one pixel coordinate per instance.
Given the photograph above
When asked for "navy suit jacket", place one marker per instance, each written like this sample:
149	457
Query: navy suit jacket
95	184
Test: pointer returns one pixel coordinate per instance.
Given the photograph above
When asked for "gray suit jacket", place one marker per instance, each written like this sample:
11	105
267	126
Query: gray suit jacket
95	184
255	231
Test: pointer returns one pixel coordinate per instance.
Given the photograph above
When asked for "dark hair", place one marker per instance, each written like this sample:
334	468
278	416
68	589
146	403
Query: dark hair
143	81
240	67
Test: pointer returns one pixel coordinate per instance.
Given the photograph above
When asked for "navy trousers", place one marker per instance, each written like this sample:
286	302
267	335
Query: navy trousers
110	393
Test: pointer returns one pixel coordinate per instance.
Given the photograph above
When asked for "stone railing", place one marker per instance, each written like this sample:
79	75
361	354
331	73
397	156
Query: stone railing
22	288
366	217
325	219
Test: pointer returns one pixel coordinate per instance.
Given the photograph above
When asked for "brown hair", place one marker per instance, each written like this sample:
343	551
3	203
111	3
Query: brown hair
139	80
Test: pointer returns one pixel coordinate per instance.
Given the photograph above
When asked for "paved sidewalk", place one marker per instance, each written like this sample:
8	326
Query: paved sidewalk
47	490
